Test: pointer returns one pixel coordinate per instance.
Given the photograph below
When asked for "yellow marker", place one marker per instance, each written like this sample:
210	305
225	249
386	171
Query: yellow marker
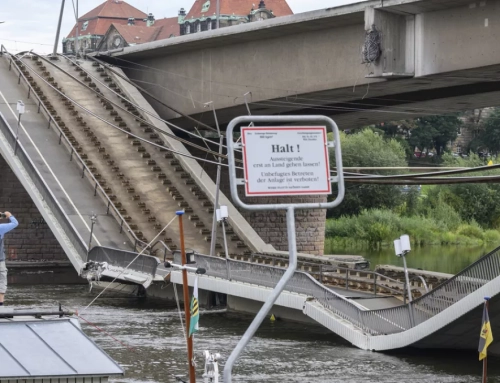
273	318
490	163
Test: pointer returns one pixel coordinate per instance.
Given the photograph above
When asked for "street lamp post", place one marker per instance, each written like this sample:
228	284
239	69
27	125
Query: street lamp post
20	111
93	220
401	248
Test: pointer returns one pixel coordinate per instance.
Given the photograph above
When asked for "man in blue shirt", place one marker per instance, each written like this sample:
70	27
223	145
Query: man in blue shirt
4	229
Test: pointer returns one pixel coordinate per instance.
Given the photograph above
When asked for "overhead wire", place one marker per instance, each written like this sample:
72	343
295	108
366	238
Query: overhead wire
102	96
107	65
120	129
133	260
156	116
149	69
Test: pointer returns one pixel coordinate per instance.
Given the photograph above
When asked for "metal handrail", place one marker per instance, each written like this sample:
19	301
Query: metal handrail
375	322
122	221
63	220
146	264
324	268
85	168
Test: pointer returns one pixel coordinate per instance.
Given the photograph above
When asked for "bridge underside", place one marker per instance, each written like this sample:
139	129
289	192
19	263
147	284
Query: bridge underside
436	58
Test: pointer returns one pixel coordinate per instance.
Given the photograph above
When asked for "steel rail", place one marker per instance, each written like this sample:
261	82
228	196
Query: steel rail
425	181
168	123
117	127
92	57
74	153
120	107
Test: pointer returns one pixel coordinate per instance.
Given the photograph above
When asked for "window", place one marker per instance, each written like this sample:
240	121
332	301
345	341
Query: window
188	28
198	27
85	25
205	7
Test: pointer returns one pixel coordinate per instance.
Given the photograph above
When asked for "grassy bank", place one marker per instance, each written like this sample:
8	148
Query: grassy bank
378	228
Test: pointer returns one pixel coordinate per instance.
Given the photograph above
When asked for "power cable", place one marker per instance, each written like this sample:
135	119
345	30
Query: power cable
150	94
120	129
149	69
133	260
100	95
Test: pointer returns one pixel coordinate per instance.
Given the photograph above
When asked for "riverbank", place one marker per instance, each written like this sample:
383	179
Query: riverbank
378	228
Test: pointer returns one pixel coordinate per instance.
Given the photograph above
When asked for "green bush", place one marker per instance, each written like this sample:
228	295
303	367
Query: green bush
471	231
492	236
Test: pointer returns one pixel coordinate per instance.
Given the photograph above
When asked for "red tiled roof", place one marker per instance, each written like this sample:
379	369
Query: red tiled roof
100	18
134	34
100	26
114	8
238	7
169	26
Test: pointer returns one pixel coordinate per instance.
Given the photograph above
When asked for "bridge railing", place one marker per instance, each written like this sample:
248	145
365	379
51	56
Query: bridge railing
111	208
376	322
45	193
126	259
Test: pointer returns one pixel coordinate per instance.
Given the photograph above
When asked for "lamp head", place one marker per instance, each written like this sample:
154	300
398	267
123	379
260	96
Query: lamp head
397	248
405	243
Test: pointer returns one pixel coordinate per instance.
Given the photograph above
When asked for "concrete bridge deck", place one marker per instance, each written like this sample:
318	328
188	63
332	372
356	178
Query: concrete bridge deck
449	316
52	160
436	57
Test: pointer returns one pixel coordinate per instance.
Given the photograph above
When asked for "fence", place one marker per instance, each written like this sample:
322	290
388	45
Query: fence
144	263
376	322
47	196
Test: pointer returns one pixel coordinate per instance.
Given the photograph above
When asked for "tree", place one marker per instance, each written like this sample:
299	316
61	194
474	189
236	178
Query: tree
435	132
489	137
368	149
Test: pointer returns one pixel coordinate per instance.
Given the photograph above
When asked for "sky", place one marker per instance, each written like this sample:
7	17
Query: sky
32	24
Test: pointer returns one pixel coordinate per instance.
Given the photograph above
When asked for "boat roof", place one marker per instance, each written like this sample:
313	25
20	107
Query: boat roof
33	348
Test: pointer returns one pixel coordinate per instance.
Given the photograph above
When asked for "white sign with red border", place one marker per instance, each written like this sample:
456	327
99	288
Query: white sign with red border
286	161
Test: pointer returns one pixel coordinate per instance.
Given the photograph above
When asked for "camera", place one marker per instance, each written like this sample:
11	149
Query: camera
3	216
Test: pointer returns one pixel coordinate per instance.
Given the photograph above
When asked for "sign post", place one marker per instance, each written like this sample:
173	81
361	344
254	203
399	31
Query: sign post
282	161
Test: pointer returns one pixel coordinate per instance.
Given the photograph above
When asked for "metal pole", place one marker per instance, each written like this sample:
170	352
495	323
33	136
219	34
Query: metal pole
185	288
216	204
408	288
292	248
93	219
76	35
485	360
217	10
58	28
225	240
17	133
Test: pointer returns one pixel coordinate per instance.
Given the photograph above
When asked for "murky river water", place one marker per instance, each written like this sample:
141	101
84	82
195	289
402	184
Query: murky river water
445	259
281	352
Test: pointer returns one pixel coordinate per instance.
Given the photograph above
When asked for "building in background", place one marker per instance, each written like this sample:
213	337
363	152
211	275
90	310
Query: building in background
121	36
116	24
203	14
93	25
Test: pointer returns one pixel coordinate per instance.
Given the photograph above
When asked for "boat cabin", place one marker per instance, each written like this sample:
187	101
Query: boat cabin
36	350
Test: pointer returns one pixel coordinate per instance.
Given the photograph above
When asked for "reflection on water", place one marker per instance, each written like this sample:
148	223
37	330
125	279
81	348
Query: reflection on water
281	352
445	259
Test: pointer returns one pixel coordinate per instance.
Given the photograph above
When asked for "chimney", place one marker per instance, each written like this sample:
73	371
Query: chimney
182	15
150	20
131	21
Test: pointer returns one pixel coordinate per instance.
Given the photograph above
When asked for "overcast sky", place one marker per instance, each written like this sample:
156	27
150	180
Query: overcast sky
31	24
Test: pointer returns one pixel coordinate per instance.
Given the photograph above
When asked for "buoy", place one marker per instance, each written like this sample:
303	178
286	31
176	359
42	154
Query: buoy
273	318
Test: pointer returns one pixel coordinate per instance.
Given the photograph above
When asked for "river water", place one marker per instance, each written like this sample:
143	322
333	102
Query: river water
445	259
281	351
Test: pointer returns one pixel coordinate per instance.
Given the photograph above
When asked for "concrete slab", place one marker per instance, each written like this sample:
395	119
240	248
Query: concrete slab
76	195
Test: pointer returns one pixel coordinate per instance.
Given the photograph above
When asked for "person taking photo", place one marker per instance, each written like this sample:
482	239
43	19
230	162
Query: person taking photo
4	229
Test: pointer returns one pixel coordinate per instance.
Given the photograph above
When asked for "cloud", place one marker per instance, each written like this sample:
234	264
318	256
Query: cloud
32	24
